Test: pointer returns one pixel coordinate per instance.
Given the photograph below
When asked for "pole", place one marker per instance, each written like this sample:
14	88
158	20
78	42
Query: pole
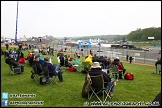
144	56
16	25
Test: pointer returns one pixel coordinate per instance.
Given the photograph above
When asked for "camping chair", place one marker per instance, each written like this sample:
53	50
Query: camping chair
158	68
115	71
14	70
35	73
97	86
49	79
76	63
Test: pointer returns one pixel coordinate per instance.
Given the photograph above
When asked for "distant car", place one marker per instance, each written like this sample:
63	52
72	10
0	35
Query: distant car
146	49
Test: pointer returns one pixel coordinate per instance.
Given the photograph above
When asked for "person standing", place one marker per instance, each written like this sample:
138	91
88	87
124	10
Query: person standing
127	57
130	59
7	46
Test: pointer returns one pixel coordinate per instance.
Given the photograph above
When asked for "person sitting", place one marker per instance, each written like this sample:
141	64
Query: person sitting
72	68
66	61
10	52
38	65
120	67
97	70
89	60
31	58
52	68
11	61
21	55
94	58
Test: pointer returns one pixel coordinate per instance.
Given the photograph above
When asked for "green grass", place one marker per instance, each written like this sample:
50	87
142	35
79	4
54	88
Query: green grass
144	87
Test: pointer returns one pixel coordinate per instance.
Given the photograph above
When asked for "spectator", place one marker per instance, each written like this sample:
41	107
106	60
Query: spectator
97	70
20	47
38	65
91	53
21	55
14	51
6	46
120	66
11	61
127	57
52	68
130	59
89	60
62	59
94	58
6	54
10	52
158	62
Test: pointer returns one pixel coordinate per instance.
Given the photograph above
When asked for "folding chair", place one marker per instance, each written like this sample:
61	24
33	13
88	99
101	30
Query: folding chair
49	79
158	68
76	63
14	70
97	86
115	71
35	73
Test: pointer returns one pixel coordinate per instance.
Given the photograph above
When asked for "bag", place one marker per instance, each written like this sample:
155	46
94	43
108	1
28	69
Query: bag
129	76
42	80
86	86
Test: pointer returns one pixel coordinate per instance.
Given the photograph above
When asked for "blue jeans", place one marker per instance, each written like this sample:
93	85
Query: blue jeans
109	85
60	76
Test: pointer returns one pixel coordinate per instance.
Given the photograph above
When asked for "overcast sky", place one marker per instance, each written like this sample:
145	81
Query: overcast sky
78	18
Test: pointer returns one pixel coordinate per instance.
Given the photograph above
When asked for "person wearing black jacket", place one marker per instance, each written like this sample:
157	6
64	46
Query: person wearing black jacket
158	62
11	61
38	65
97	70
52	69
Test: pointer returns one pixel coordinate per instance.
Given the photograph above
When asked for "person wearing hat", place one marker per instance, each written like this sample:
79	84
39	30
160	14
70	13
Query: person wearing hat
97	70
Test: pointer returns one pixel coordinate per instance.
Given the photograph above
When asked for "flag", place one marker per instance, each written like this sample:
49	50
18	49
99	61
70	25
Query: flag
16	25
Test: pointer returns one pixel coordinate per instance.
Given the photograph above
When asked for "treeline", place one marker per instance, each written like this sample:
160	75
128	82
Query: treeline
102	37
143	34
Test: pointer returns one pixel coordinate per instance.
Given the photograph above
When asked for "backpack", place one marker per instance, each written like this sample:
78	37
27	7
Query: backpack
129	76
86	86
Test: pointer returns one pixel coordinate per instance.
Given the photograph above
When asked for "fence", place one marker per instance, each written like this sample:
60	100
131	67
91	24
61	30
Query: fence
146	57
